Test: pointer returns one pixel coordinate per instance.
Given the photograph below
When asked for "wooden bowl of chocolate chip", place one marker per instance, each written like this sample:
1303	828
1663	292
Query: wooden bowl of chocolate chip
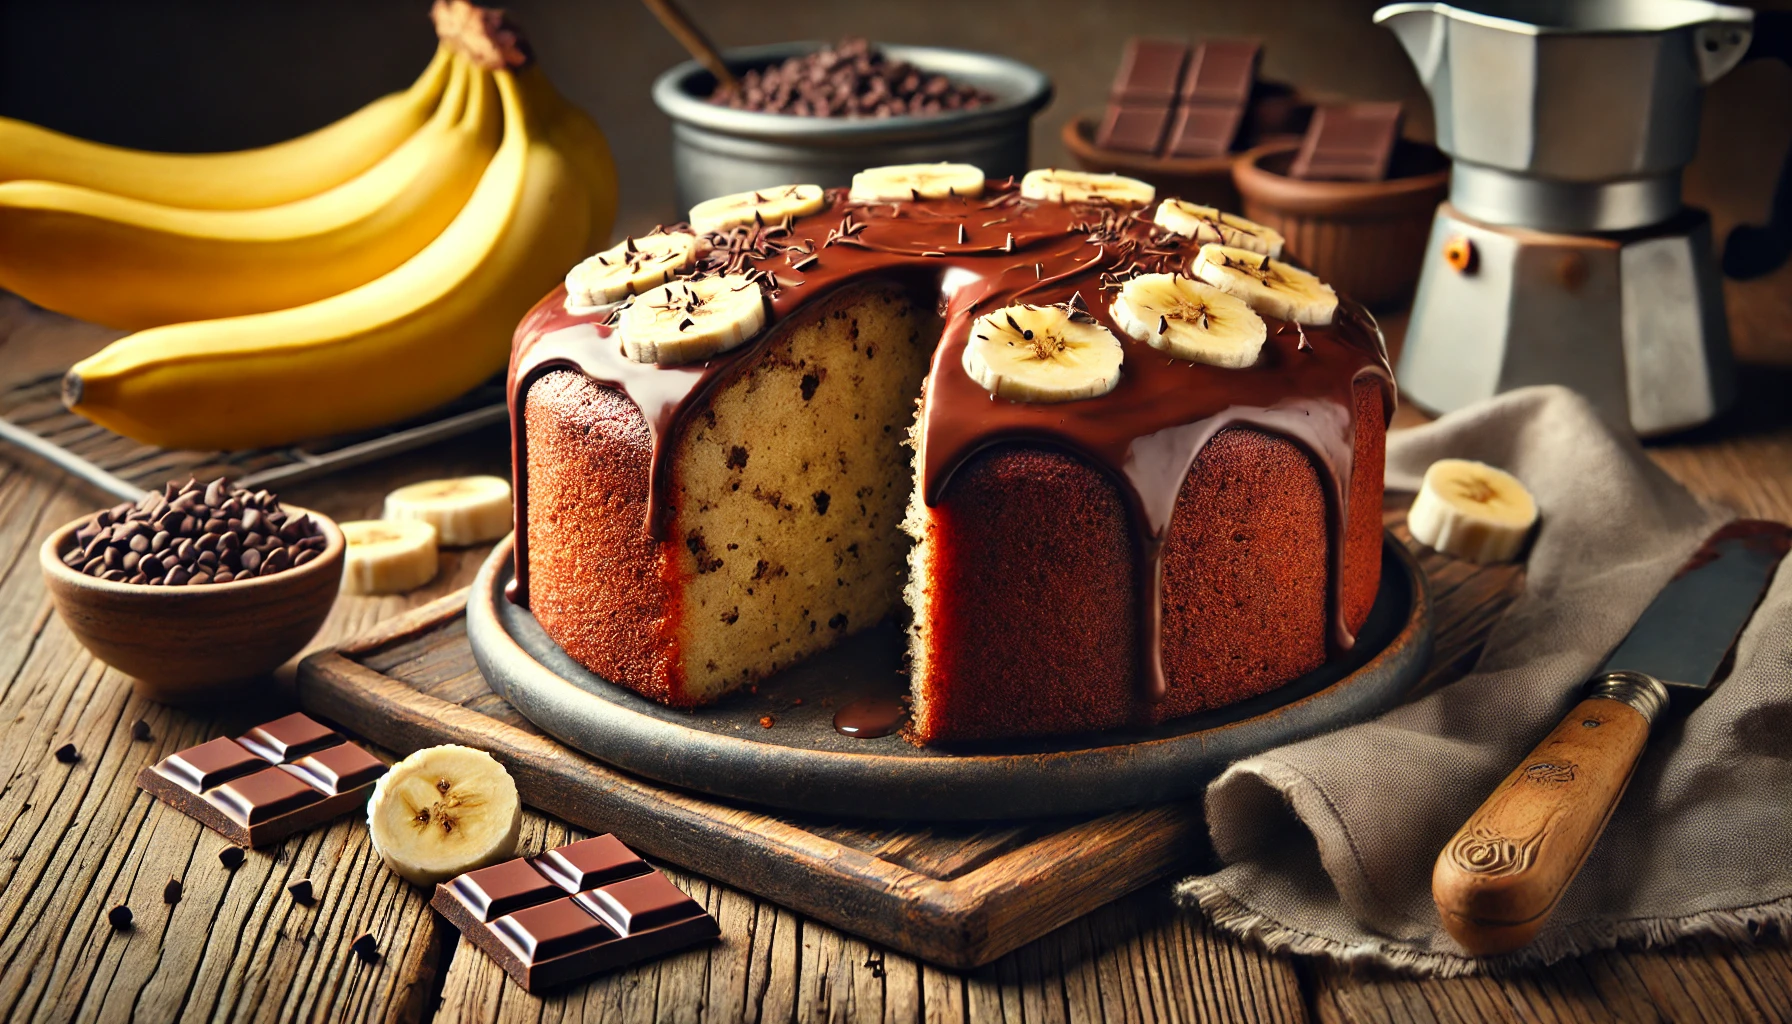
196	588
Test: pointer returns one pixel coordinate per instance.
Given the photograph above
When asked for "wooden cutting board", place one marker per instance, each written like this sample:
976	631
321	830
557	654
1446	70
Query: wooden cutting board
957	894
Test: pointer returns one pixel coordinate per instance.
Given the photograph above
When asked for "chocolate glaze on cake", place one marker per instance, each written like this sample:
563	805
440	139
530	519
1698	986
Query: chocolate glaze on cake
979	255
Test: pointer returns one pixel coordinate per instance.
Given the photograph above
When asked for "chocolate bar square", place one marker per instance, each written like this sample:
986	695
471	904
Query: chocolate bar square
288	739
1222	71
1204	130
1133	129
243	791
590	863
523	918
1349	142
211	763
1150	71
495	891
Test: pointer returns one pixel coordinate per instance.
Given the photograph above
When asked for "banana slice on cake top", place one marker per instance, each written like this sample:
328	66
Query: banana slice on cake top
689	321
1208	224
1042	354
628	269
1059	186
1190	320
1271	286
916	181
768	205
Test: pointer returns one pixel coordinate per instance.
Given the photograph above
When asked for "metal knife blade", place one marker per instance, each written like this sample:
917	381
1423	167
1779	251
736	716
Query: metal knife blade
1686	634
1497	880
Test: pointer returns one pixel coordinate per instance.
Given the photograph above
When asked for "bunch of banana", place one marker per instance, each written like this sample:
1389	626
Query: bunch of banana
375	297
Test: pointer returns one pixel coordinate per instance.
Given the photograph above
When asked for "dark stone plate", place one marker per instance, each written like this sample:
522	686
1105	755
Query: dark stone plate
800	763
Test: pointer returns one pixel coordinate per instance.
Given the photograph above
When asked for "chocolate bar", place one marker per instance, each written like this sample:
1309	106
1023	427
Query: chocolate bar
276	779
1349	142
1135	129
1222	71
572	912
1205	129
1150	72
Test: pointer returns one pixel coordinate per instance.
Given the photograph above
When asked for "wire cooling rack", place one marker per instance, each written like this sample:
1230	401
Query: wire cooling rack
33	417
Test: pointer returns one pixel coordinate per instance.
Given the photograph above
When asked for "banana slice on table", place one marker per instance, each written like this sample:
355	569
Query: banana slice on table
769	204
1208	224
1057	186
386	557
1042	354
1190	320
1472	510
443	811
628	269
464	510
917	181
1272	287
689	321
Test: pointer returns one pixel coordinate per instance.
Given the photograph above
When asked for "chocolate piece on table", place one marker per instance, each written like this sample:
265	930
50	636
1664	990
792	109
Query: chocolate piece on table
231	857
1133	128
620	910
246	790
1349	142
1150	72
119	917
366	947
1204	129
67	753
171	892
1222	71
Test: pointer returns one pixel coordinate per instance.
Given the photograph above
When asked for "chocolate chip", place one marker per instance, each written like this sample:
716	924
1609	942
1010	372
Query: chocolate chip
847	80
67	753
215	492
120	916
301	892
366	947
140	731
231	857
171	892
251	560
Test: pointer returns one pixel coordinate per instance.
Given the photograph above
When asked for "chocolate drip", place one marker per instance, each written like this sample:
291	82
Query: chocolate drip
1145	434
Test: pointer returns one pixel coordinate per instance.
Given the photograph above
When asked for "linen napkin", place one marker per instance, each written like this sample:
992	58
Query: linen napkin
1328	844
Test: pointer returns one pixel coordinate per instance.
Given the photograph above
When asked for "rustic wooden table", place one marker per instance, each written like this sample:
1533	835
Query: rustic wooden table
79	839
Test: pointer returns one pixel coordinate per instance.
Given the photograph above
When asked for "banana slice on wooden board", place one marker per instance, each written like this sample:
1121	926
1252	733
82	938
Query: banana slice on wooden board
769	205
1272	287
387	557
917	181
1190	320
1472	510
1059	186
1209	224
464	510
689	321
628	269
443	811
1042	354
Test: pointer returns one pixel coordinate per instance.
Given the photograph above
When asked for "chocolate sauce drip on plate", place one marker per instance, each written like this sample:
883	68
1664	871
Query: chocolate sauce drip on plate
871	717
1145	434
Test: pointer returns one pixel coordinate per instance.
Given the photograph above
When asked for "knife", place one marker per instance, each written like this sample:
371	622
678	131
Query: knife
1500	876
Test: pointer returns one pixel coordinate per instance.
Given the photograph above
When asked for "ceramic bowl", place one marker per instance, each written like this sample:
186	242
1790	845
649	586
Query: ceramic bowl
1365	238
187	644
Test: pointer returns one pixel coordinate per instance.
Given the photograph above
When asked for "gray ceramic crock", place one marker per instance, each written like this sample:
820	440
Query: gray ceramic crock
717	150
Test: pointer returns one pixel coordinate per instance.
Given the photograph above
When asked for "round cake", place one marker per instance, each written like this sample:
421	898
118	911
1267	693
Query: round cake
1121	461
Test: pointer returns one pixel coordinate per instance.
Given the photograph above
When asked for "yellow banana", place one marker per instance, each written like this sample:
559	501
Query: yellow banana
242	180
129	264
576	135
392	348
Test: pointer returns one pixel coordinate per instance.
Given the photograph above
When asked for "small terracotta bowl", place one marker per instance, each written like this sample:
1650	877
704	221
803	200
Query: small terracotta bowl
1365	238
188	644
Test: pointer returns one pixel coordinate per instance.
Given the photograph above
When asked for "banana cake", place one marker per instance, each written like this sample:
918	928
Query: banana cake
1115	460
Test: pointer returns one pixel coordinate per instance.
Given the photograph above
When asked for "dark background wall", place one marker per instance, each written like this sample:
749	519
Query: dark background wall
223	74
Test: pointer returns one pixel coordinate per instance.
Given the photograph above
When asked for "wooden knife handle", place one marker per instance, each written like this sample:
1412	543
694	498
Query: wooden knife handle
1500	876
